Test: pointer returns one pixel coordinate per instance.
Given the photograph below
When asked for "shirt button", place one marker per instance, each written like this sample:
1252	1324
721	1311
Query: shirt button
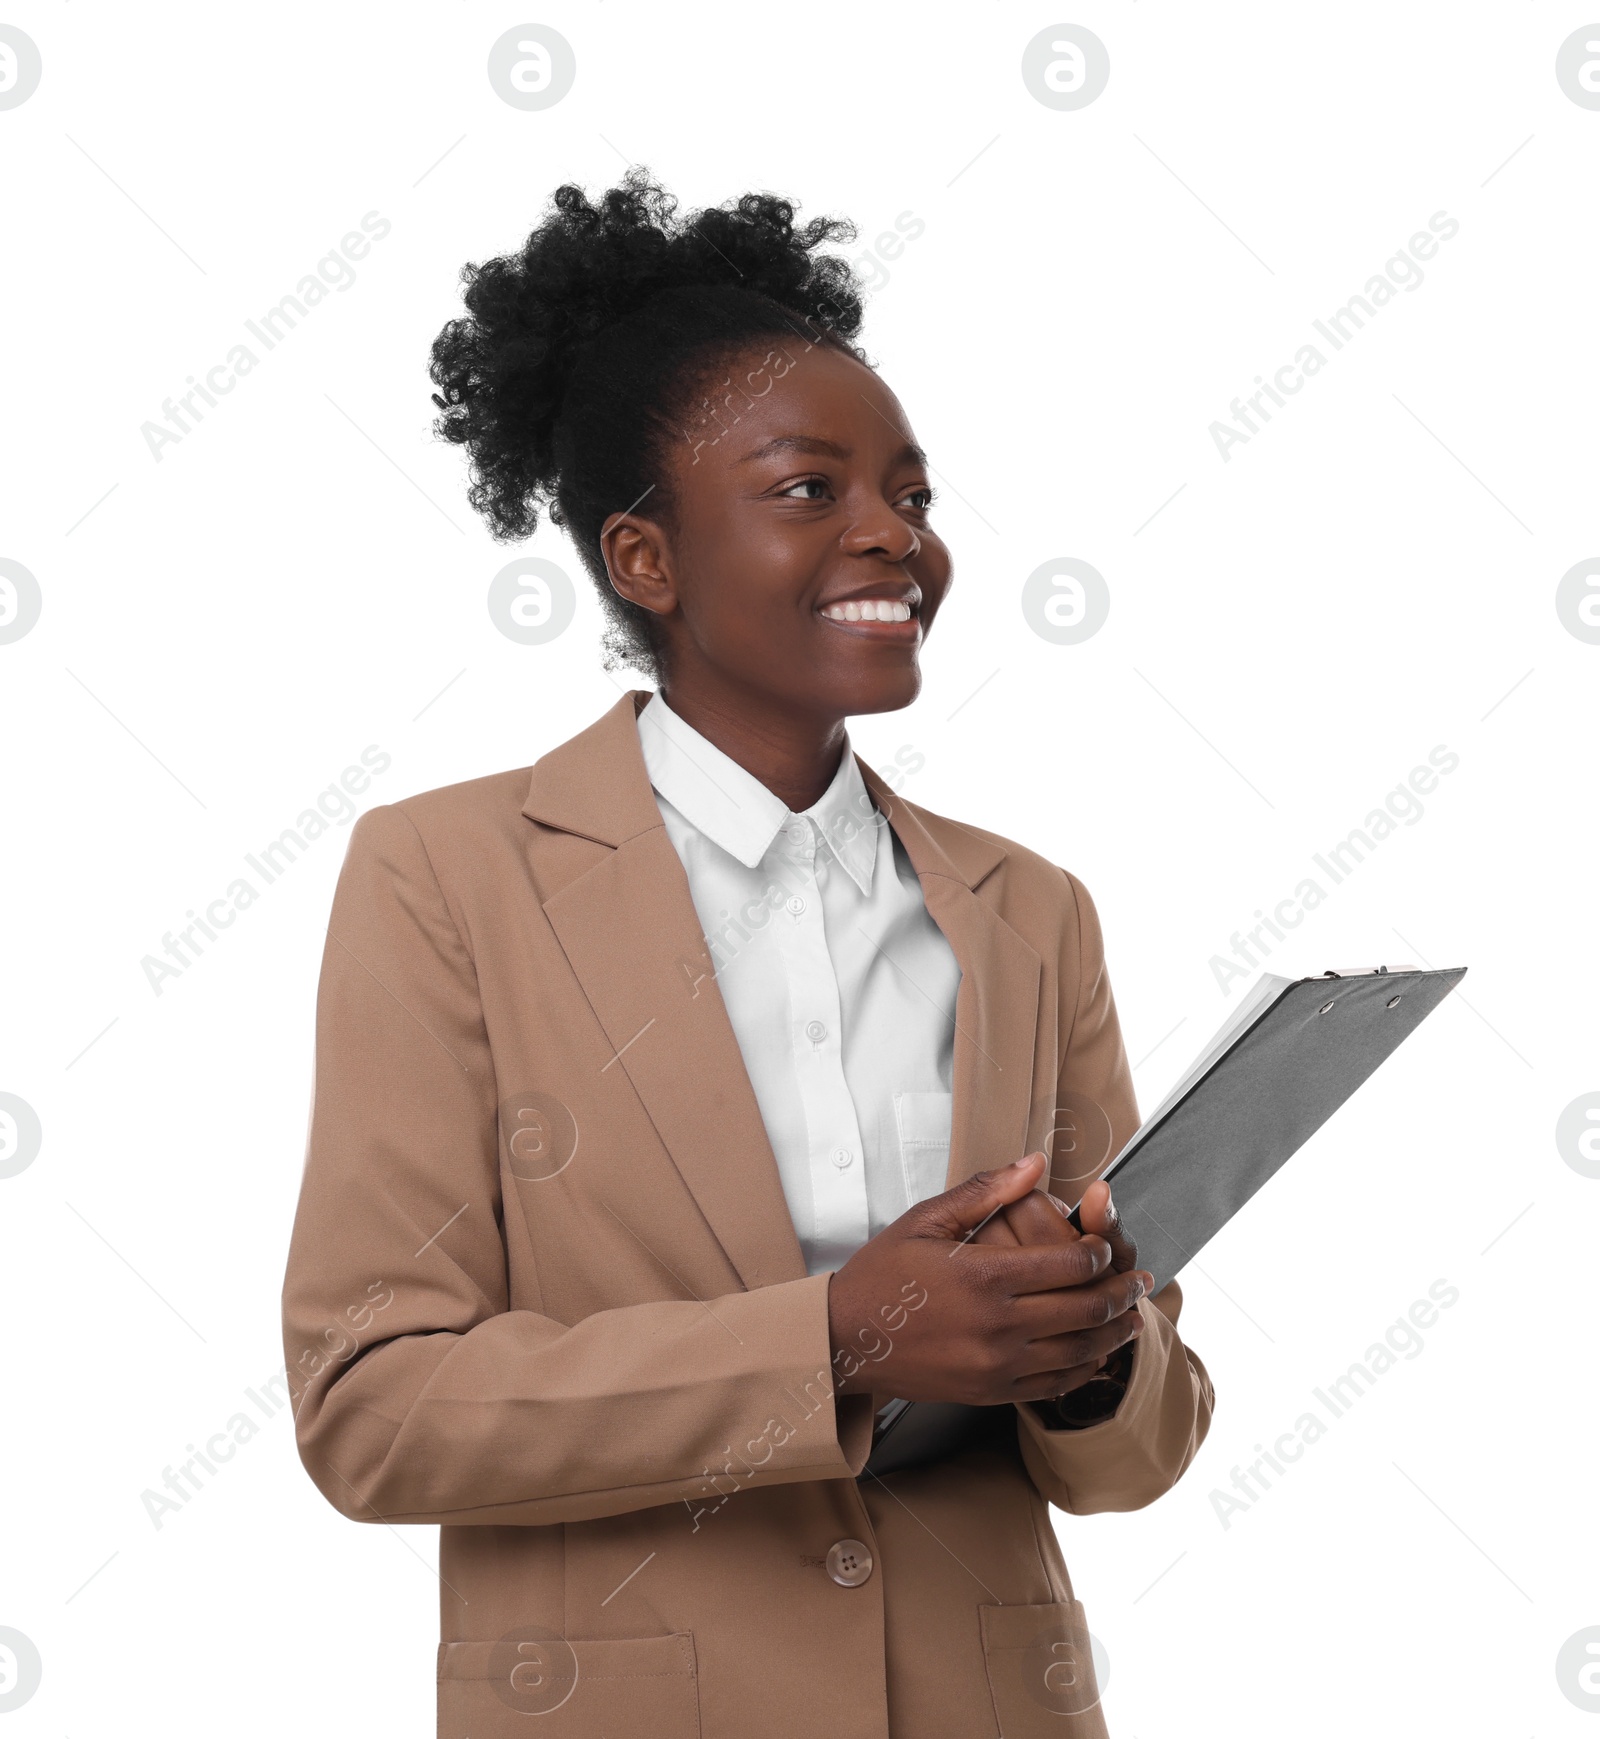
795	904
799	832
816	1031
849	1563
842	1156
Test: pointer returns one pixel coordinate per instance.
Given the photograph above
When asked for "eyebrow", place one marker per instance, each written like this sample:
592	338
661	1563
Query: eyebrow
828	449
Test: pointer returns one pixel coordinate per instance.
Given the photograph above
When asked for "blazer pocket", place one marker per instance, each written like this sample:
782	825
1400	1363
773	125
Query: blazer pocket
1041	1671
579	1689
922	1121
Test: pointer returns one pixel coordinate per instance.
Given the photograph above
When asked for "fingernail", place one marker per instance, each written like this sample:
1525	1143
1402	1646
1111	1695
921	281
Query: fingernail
1017	1164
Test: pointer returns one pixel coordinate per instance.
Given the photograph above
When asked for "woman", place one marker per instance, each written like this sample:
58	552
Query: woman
641	1076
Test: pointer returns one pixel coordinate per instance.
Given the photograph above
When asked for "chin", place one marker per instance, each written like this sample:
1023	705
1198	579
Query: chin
883	691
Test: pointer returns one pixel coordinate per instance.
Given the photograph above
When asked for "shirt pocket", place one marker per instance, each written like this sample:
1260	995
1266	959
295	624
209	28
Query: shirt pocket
922	1122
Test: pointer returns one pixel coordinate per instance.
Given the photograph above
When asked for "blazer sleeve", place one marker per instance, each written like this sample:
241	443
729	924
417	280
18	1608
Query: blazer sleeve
420	1396
1128	1459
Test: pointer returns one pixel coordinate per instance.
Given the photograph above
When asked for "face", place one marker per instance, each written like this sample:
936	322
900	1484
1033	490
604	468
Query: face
802	502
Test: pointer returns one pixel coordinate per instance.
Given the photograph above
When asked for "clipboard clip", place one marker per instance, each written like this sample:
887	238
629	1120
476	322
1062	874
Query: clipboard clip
1365	971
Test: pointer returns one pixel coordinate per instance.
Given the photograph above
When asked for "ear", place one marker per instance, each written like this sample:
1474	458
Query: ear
639	562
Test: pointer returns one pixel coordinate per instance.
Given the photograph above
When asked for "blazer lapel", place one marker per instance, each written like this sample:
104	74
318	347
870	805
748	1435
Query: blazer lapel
628	926
997	1003
629	929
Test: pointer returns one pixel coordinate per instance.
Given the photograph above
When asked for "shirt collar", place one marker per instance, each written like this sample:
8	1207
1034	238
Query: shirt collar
737	812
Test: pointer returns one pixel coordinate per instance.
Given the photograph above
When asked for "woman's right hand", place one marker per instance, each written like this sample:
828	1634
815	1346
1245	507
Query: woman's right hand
926	1312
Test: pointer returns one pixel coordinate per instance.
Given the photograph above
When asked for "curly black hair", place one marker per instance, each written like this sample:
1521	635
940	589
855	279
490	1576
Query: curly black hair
580	354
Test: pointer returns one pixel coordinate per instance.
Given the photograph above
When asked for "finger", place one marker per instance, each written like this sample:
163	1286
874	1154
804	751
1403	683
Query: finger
1051	1385
1088	1347
1073	1308
959	1212
1098	1213
1060	1209
998	1229
1040	1268
1038	1218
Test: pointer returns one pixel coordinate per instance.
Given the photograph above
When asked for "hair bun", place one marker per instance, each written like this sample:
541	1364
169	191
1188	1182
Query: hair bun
577	351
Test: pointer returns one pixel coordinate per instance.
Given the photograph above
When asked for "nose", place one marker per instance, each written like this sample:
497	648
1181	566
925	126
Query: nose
880	531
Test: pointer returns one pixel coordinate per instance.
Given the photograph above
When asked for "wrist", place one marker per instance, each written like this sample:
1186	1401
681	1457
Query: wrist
1093	1402
847	1369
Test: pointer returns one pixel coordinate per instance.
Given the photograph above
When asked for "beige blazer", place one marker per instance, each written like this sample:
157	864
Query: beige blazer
544	1291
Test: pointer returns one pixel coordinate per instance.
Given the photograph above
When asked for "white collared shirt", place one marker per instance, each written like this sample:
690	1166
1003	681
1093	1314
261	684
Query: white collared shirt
840	988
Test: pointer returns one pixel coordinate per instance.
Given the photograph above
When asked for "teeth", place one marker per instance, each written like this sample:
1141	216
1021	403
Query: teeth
869	610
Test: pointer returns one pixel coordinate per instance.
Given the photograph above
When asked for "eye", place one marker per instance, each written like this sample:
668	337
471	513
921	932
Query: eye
804	483
929	494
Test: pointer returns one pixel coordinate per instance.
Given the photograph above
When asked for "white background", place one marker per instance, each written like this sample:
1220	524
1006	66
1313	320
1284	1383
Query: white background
1291	631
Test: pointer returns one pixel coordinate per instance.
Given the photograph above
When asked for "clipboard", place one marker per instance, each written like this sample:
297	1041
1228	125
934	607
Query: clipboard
1293	1052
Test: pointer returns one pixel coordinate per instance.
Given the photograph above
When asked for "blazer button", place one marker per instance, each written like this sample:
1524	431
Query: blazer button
849	1563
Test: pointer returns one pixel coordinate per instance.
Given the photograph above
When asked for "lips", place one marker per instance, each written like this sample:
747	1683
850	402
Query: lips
895	633
881	612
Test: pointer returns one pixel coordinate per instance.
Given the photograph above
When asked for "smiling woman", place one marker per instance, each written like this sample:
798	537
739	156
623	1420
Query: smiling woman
698	1097
685	398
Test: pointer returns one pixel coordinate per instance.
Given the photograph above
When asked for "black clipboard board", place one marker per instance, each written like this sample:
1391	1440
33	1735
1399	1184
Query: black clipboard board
1294	1051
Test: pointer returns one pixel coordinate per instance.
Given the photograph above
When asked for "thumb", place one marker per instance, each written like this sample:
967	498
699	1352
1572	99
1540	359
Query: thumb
959	1212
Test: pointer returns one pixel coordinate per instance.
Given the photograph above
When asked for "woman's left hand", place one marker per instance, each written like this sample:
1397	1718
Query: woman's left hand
1038	1218
1041	1218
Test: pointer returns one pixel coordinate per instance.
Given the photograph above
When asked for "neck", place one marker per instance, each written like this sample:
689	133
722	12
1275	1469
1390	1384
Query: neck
795	755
